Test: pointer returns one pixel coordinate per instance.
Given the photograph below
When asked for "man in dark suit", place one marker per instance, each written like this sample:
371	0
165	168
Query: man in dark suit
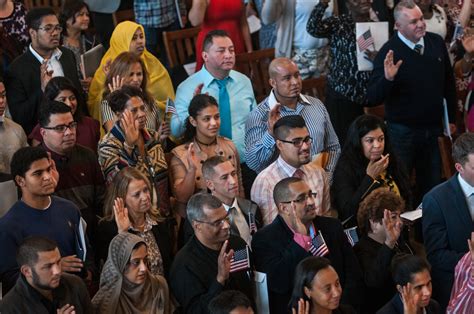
448	212
29	73
223	182
297	233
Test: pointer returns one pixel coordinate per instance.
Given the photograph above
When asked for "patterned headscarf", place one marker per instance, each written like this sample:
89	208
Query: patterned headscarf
117	295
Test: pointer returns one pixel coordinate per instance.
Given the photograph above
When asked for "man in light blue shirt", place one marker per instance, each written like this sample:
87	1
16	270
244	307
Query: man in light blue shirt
219	59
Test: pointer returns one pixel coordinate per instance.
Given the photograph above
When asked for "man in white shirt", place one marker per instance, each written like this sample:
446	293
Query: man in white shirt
30	72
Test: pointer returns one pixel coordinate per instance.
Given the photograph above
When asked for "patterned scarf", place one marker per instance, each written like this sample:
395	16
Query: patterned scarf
117	295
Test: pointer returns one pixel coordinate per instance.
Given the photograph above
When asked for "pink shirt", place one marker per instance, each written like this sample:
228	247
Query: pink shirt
462	295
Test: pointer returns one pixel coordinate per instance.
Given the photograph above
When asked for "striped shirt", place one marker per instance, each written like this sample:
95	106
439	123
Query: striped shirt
262	188
157	14
462	294
260	146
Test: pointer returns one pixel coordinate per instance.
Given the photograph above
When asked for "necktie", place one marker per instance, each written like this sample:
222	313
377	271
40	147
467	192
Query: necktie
224	109
418	49
470	204
298	174
238	220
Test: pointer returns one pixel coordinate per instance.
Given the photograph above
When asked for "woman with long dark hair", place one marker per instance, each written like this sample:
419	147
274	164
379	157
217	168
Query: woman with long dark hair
366	163
201	141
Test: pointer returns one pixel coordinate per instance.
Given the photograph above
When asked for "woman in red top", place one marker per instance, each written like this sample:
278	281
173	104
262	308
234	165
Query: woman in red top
227	15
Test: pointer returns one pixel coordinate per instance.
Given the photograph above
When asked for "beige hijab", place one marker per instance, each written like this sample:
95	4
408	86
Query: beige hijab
117	295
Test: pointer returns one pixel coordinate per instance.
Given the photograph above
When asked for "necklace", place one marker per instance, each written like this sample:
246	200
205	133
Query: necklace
205	144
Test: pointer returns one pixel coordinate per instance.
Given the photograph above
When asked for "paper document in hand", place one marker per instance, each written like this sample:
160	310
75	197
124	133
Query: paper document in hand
90	60
412	215
254	24
370	37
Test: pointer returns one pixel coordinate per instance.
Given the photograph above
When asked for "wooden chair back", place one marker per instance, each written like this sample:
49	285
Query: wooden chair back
447	161
180	45
255	65
315	87
378	111
55	4
123	15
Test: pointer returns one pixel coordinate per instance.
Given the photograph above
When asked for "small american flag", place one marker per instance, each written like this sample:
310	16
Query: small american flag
240	260
352	236
318	246
365	40
170	107
252	224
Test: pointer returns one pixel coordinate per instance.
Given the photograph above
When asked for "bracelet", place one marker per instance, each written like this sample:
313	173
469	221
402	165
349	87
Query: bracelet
128	146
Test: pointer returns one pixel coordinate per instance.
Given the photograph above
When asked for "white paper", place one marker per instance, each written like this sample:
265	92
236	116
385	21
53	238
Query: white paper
379	31
447	130
412	215
261	292
190	68
82	235
178	13
254	24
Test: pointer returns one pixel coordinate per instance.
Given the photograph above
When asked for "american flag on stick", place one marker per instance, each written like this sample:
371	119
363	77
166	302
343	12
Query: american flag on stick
318	246
252	224
240	260
352	235
170	106
365	40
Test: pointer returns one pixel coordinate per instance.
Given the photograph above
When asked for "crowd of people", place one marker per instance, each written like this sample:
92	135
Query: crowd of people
132	196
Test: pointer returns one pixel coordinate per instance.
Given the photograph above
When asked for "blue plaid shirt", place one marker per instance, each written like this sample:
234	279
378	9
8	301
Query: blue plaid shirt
157	13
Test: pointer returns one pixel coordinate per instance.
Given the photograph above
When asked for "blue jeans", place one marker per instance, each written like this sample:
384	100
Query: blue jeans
418	148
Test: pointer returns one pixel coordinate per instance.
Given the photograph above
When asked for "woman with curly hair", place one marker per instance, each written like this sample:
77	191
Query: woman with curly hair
380	228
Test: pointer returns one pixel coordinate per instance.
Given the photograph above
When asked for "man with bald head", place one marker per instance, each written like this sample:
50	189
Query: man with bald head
286	99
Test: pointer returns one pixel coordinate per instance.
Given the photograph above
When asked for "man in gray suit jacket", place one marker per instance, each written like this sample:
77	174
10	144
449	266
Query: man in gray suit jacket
222	180
448	213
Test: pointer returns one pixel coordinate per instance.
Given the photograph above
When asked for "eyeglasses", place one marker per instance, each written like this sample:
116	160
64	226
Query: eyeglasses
298	142
62	128
51	28
303	198
218	223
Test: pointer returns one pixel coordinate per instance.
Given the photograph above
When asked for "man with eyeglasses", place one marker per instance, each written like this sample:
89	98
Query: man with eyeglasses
29	73
293	142
286	99
212	261
296	233
80	177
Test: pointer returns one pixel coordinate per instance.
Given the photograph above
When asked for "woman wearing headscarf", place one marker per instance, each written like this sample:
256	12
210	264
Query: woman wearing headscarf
126	285
130	36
